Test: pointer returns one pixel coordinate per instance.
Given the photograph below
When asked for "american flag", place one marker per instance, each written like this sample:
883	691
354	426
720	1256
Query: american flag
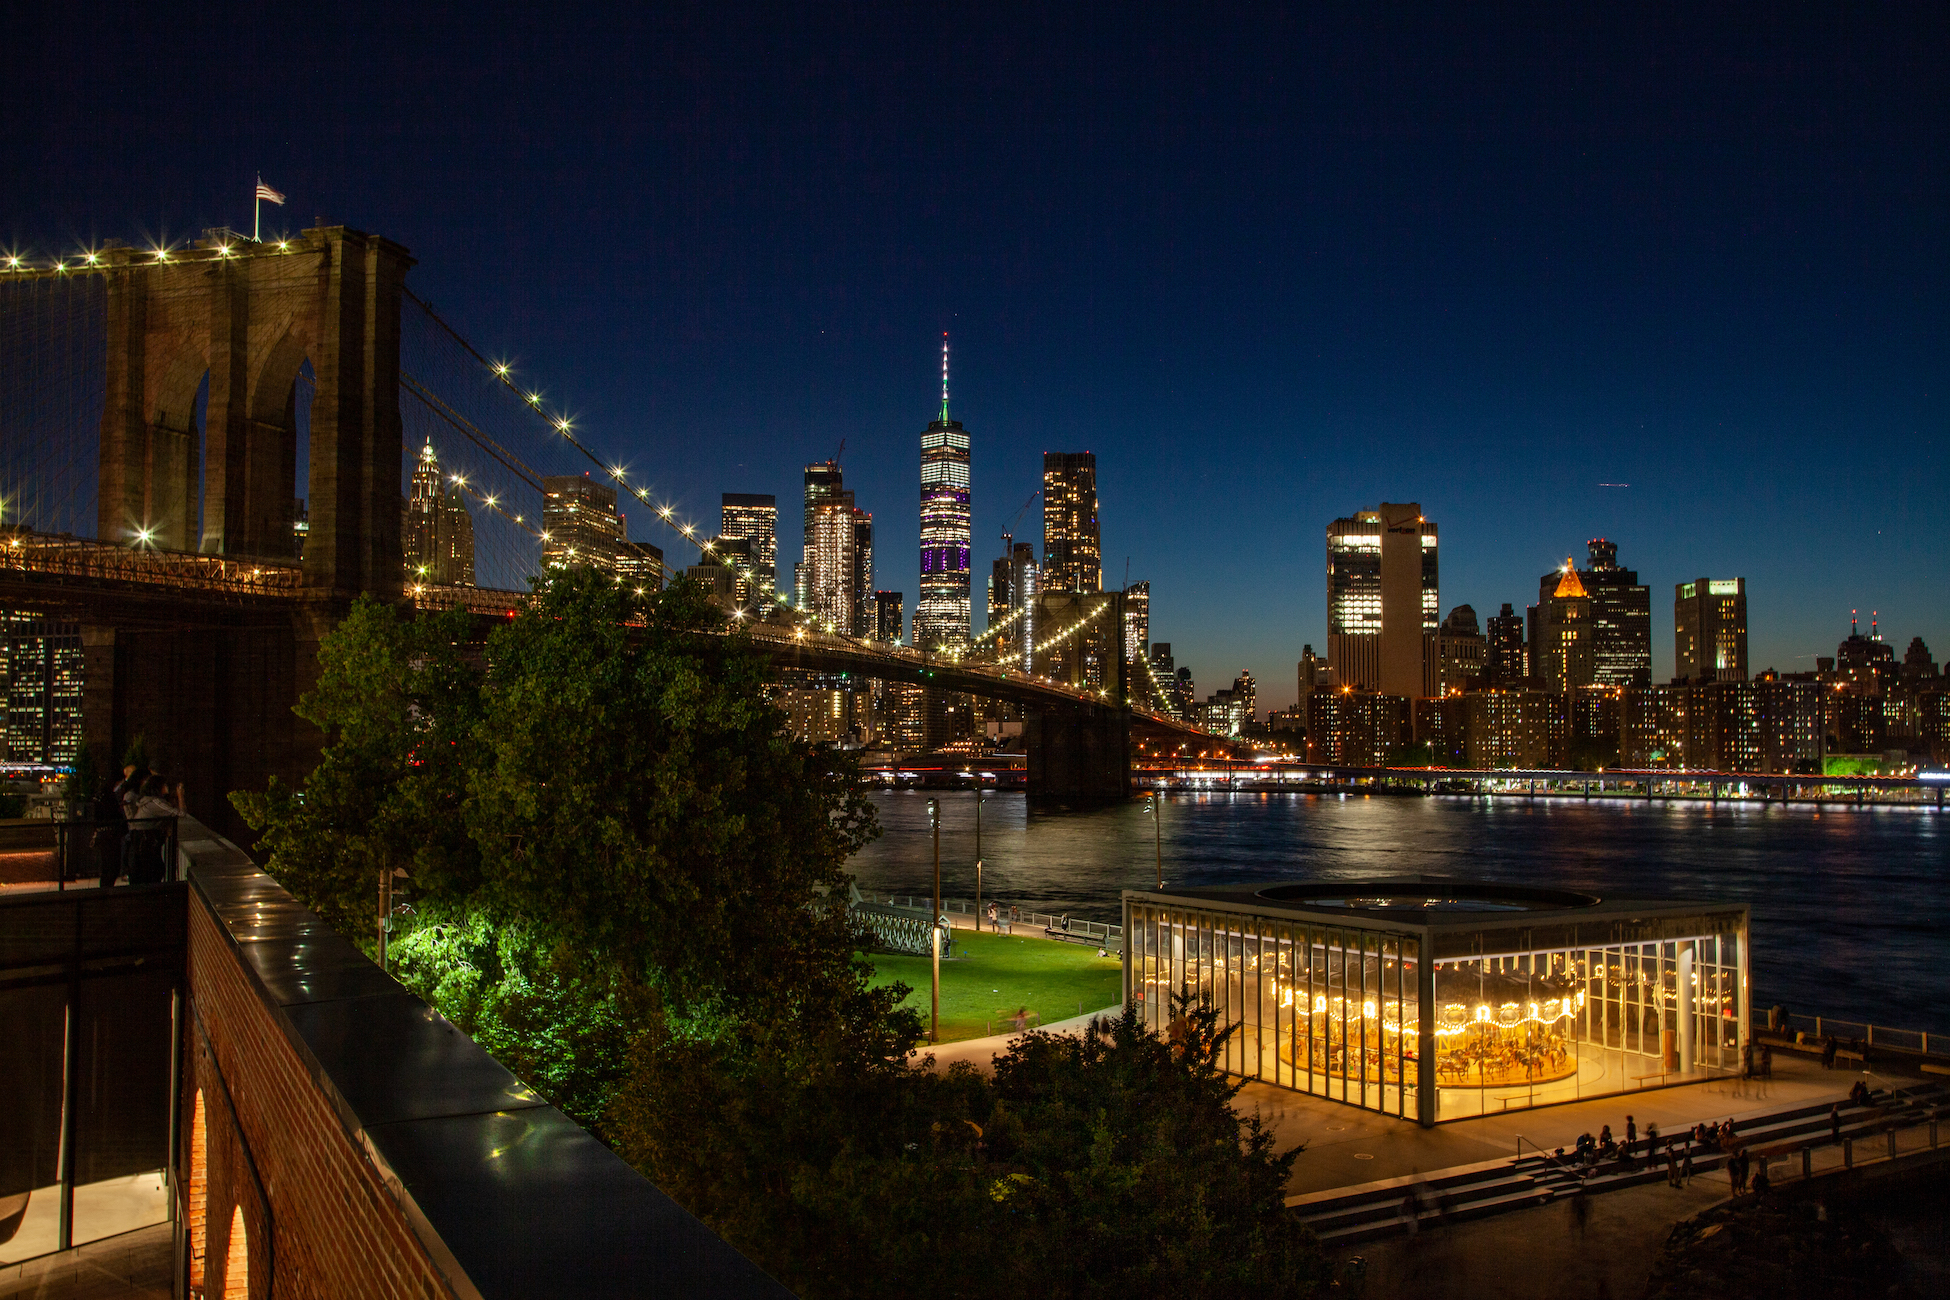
268	194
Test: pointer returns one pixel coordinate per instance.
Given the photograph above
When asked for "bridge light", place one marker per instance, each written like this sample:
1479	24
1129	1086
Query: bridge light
223	250
283	245
92	259
13	261
500	368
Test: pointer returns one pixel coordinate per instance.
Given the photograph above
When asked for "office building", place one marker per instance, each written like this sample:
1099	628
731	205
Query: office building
436	531
1014	582
1561	655
735	554
1245	693
755	517
1504	652
1461	651
822	484
889	615
863	608
1350	728
1382	600
1710	630
832	562
40	688
641	566
1315	675
579	523
1073	559
1621	619
942	616
1137	621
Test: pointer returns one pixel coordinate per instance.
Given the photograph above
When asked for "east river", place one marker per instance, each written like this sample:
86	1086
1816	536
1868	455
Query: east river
1851	909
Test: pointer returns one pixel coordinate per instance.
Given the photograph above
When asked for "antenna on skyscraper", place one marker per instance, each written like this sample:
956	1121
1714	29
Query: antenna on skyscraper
944	376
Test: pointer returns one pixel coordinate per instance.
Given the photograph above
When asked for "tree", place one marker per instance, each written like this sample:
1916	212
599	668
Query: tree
637	795
1102	1165
399	703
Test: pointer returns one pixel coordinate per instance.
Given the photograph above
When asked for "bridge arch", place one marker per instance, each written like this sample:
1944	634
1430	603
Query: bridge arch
250	316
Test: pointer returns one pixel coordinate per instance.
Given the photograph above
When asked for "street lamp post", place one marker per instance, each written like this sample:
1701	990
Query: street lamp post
980	799
1157	836
934	927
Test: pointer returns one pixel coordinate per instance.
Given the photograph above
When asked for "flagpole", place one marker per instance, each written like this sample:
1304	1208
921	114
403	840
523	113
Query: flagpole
257	210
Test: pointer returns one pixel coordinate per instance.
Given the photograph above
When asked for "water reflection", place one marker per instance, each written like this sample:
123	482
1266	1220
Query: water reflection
1850	914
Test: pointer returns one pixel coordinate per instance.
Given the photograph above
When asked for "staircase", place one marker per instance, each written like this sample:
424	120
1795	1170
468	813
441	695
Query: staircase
1378	1210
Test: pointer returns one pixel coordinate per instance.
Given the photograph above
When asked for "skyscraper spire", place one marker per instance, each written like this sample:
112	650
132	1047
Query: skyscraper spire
944	376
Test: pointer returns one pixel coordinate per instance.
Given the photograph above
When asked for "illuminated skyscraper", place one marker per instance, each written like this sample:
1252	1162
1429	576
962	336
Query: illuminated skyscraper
941	618
1137	622
579	522
1562	648
436	532
40	688
1621	619
832	562
1072	552
1382	600
1710	630
822	484
863	607
755	516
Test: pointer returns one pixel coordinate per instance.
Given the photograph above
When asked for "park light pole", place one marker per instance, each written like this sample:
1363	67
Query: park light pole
1157	835
980	799
934	928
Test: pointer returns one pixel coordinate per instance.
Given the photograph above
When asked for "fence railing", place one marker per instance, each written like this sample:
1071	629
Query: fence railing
961	914
72	853
1820	1028
1788	1162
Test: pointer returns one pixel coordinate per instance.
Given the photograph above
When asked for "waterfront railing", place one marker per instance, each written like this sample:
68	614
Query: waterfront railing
962	914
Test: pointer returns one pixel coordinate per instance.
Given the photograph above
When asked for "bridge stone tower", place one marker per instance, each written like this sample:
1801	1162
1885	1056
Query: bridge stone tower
251	319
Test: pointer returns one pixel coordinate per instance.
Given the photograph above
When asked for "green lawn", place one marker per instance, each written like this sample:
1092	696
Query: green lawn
990	975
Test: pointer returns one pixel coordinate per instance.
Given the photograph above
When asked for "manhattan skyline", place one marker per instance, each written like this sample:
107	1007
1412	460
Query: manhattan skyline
1493	272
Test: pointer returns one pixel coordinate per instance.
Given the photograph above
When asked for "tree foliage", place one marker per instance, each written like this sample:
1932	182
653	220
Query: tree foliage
1107	1164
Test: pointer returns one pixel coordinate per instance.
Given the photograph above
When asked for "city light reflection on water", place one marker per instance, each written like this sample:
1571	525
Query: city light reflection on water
1851	917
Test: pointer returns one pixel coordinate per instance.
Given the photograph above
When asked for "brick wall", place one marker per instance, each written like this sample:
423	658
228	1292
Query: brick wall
317	1218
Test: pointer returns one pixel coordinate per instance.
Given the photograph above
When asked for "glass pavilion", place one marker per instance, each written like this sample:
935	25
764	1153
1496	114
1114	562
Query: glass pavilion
1434	999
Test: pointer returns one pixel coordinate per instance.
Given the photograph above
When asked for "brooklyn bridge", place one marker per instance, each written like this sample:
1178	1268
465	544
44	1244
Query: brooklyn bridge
203	452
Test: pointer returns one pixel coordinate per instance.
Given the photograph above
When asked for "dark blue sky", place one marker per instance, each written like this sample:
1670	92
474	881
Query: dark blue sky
1270	268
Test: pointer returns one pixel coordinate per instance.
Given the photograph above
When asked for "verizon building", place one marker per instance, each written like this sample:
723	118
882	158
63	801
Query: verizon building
1383	601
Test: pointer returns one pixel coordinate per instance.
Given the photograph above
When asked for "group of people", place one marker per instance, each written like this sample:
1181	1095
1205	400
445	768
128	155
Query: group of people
132	820
1591	1151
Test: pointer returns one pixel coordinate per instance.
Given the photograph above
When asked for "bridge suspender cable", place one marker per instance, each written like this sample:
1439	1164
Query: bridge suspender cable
468	429
560	424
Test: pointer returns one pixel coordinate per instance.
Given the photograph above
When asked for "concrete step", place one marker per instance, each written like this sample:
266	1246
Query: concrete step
1476	1209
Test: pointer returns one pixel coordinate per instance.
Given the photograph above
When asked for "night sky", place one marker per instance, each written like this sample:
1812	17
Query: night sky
1271	269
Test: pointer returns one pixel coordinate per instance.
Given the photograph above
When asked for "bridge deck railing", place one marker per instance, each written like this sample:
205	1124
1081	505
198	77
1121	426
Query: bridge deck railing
64	555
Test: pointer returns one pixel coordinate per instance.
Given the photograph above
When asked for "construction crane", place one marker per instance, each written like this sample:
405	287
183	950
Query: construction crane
1009	532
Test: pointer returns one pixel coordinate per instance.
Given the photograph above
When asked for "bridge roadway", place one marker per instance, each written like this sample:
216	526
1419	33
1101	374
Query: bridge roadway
205	655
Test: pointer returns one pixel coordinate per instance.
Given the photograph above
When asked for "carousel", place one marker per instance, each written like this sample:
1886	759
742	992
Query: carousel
1493	1029
1498	1028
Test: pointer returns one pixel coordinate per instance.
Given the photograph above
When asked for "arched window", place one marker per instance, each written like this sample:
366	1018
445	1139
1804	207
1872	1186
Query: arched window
237	1262
198	1187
